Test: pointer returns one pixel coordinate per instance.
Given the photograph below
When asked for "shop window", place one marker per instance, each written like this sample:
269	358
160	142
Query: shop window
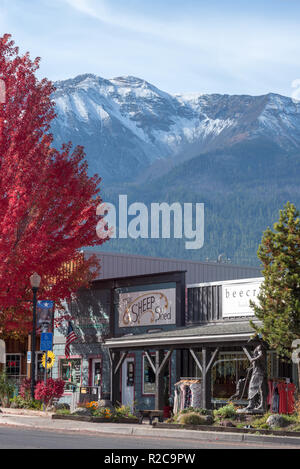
13	365
226	371
40	370
70	372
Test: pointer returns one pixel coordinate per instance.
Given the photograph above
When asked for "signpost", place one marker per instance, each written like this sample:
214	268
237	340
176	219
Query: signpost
46	346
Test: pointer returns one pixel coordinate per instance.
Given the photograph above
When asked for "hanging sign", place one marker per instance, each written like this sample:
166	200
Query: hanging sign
46	341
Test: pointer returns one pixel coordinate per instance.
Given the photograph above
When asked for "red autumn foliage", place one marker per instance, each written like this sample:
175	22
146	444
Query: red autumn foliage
47	392
25	388
47	199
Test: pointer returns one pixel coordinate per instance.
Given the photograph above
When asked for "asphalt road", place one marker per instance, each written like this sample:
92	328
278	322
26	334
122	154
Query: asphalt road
15	438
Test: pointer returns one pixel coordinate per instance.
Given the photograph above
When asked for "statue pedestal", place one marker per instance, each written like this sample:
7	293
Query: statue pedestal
246	411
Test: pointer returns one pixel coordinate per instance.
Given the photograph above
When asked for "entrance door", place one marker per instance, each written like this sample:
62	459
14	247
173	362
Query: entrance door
128	382
96	372
96	377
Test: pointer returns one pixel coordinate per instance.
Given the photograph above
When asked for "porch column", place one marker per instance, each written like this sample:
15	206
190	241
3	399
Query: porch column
208	359
205	365
206	379
161	360
159	381
116	361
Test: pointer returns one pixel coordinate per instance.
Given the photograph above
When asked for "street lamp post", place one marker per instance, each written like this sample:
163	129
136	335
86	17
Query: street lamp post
35	281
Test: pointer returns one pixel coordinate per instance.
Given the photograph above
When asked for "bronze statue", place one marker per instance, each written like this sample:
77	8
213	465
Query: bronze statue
240	387
257	392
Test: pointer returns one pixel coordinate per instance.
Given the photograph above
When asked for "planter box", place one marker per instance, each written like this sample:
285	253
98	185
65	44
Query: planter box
211	428
84	418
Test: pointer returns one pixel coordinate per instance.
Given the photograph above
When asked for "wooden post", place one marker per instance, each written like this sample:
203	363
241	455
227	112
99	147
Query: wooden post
115	394
161	361
208	359
159	381
206	379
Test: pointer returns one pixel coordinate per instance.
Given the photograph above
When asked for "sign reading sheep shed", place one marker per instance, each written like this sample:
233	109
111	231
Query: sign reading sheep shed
147	308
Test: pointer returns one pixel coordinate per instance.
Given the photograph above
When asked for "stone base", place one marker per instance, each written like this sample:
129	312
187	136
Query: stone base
246	411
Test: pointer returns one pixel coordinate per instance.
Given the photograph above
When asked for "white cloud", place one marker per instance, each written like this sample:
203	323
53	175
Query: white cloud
178	50
85	7
240	40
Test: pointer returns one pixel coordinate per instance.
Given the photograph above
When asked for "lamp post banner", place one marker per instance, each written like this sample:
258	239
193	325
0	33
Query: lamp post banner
45	316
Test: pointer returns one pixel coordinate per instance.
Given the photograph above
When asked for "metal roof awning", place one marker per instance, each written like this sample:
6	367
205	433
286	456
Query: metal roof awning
216	333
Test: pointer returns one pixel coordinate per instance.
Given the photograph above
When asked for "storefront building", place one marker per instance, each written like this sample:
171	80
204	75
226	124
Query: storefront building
208	344
96	317
89	361
139	335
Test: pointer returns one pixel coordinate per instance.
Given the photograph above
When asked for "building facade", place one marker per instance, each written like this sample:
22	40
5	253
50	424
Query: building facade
94	314
146	324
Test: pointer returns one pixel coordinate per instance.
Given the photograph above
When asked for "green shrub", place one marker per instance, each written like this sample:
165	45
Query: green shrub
18	402
191	418
123	412
198	410
6	390
226	412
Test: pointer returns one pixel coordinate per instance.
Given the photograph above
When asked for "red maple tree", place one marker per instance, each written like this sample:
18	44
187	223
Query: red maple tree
47	199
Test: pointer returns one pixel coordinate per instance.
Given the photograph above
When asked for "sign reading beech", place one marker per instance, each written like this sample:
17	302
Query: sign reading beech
147	308
236	298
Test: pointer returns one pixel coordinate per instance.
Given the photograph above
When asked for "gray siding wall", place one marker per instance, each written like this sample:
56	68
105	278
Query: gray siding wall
204	304
126	265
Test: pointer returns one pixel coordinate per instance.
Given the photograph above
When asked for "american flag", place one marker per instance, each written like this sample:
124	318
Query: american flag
71	336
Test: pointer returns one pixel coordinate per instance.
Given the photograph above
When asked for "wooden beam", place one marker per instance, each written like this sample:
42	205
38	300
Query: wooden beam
196	359
164	362
110	356
151	363
120	362
212	359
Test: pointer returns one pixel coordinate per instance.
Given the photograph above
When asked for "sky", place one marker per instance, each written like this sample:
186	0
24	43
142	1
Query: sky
180	46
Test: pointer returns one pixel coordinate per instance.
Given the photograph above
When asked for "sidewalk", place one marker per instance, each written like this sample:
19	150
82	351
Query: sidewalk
29	419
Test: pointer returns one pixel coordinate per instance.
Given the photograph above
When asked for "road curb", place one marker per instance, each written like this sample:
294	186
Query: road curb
140	431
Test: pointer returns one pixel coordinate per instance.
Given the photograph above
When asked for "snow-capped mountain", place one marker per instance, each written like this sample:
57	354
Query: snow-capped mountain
129	126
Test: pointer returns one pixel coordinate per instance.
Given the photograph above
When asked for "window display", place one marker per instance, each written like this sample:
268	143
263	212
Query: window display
70	372
226	373
149	378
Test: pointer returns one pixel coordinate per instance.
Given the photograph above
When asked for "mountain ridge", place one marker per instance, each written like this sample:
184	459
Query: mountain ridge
157	125
238	154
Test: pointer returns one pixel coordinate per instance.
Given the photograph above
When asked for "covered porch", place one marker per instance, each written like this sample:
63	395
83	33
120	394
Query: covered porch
201	343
